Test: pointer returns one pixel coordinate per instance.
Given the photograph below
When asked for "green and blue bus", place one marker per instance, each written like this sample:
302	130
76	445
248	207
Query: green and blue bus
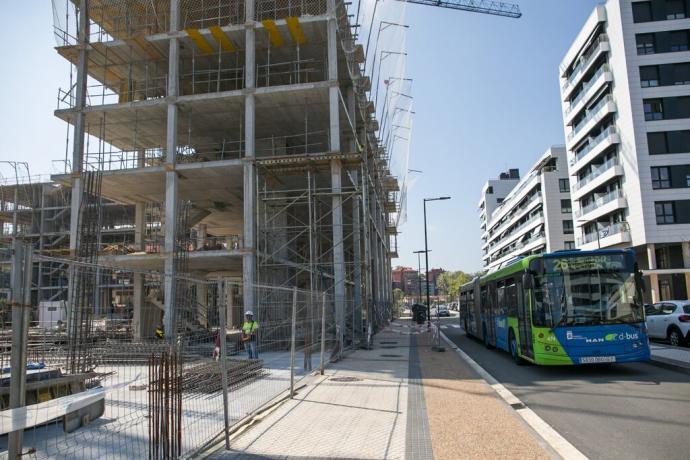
566	307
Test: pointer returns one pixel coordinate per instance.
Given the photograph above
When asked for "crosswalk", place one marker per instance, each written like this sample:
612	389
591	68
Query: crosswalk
446	326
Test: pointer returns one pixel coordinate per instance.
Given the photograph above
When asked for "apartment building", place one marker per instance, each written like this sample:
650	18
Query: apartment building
493	194
535	216
625	87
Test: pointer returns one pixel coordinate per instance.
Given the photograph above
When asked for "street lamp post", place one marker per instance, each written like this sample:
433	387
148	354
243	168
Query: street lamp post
426	256
419	273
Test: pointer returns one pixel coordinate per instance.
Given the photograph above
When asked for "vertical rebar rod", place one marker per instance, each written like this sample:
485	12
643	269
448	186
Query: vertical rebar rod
292	342
222	328
323	331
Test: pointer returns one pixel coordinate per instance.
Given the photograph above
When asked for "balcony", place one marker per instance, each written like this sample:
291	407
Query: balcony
594	116
603	205
600	45
518	214
517	232
592	87
594	147
521	248
597	177
610	235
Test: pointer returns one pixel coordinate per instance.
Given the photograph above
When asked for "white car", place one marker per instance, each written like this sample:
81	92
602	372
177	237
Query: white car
670	320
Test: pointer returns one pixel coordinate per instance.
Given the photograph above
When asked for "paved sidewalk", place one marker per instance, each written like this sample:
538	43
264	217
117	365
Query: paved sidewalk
667	354
397	401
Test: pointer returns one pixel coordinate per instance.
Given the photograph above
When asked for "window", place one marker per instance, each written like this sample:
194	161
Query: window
661	177
564	185
681	73
642	11
645	44
678	40
653	109
568	227
649	76
687	180
566	206
668	142
499	200
569	245
675	9
665	213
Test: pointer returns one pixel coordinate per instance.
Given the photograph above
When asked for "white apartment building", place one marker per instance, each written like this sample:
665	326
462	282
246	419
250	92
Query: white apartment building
534	217
493	194
625	87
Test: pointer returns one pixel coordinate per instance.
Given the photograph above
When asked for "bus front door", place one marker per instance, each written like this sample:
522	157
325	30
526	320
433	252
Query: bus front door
524	322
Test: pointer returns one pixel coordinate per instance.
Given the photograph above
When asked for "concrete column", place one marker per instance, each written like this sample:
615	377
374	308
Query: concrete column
653	278
201	234
171	178
686	263
139	326
357	270
249	258
202	304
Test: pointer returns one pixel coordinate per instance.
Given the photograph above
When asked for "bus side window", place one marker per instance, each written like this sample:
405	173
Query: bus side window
501	299
539	304
511	298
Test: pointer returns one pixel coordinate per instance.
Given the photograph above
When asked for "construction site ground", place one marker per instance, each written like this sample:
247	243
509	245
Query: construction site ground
398	400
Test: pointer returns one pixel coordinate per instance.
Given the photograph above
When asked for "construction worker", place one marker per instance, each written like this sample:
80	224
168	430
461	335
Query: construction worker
160	334
249	335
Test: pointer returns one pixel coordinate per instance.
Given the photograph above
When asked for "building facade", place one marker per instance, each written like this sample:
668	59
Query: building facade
625	87
493	194
535	216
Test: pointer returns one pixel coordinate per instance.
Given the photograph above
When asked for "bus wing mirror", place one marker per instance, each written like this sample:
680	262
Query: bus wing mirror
527	281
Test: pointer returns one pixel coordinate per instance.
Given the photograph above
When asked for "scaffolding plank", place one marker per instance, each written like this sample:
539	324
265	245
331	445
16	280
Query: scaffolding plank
273	32
222	38
200	41
296	30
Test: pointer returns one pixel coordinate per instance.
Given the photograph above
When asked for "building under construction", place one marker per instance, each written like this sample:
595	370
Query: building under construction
244	125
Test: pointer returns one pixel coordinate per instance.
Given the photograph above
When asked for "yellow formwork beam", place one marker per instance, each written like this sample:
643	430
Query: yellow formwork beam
223	40
199	40
296	30
273	32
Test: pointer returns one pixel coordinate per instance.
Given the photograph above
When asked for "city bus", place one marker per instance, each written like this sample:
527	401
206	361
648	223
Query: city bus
561	308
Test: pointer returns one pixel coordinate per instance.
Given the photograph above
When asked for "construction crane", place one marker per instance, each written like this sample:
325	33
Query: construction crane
509	10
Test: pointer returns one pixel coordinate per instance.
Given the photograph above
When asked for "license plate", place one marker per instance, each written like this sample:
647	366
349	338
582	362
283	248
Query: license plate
597	359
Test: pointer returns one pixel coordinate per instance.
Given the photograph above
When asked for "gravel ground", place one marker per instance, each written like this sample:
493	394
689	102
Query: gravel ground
466	418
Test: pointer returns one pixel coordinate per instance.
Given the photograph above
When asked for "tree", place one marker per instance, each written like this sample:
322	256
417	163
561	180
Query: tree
450	282
398	302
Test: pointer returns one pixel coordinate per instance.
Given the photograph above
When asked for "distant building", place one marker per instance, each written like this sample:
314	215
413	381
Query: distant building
625	90
407	280
433	280
535	216
493	193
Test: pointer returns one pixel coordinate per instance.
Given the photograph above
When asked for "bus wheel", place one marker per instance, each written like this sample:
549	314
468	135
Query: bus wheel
514	349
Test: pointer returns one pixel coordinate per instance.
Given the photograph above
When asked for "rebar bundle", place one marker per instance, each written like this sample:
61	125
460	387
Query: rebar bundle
165	406
84	278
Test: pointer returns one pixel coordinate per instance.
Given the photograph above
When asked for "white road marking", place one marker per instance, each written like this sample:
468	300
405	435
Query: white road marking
444	327
456	326
543	429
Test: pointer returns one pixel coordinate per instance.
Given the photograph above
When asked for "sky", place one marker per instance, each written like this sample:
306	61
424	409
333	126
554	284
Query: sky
486	99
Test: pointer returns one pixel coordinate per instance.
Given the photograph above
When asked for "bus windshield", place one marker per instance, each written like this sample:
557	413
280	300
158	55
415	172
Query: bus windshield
586	290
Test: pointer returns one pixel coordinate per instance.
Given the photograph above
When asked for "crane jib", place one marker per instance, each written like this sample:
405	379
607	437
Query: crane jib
509	10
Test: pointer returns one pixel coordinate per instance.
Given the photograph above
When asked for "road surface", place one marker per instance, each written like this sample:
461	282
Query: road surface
620	411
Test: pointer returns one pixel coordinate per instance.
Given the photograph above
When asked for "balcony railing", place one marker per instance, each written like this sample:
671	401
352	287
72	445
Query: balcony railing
531	220
603	232
516	211
596	172
591	113
586	87
600	201
517	247
585	61
593	142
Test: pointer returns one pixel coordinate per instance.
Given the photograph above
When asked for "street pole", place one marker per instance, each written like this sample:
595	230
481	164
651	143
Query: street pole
426	257
419	273
437	347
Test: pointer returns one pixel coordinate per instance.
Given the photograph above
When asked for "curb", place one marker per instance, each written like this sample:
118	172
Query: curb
541	428
671	364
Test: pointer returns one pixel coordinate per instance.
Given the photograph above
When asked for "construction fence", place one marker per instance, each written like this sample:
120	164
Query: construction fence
100	377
